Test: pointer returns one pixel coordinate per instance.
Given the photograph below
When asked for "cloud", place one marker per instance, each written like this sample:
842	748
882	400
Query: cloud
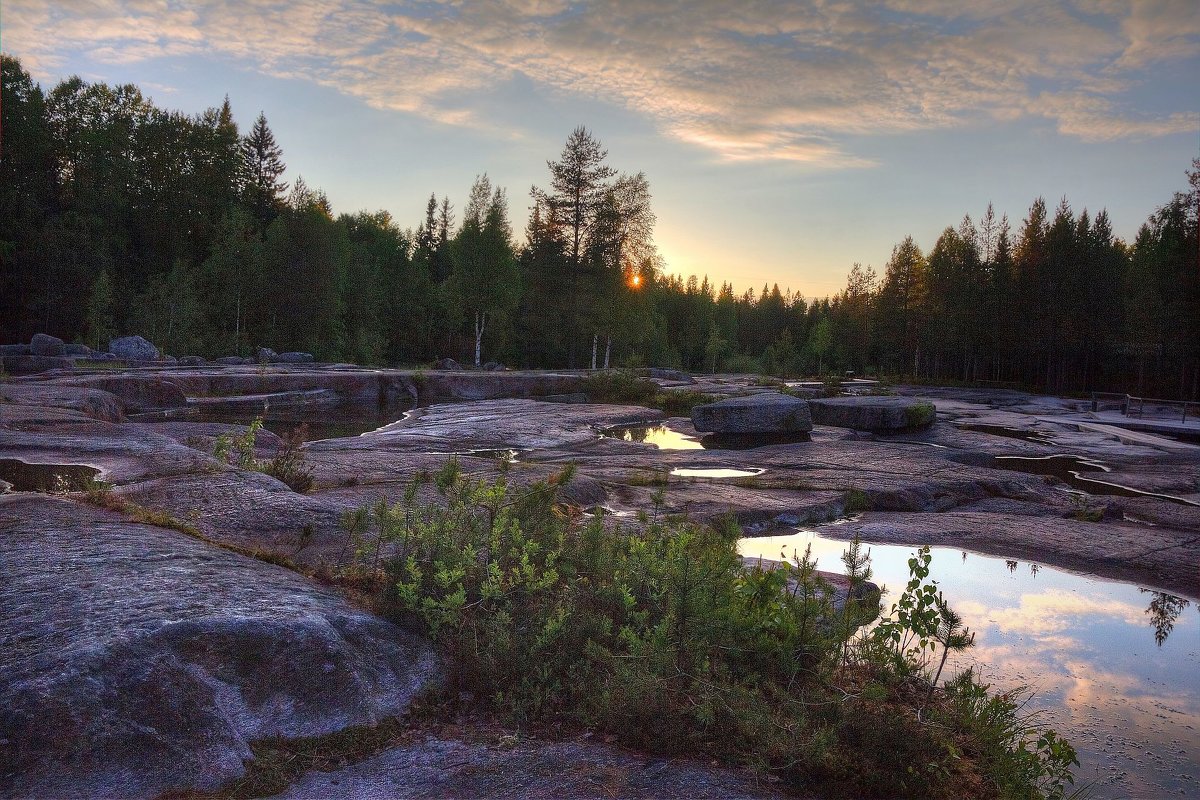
748	81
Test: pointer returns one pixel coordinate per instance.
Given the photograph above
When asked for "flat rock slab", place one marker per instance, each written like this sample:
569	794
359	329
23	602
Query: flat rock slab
139	660
873	413
249	403
766	412
441	767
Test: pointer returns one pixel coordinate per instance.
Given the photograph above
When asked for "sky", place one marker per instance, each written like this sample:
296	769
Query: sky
783	141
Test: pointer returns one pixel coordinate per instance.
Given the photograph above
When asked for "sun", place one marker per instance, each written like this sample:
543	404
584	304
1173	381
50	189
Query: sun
635	281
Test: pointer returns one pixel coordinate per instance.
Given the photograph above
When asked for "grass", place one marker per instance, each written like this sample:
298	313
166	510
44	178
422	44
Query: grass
856	501
622	386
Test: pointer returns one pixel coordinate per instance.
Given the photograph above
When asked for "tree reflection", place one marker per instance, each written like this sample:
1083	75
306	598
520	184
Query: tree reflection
1164	609
1012	565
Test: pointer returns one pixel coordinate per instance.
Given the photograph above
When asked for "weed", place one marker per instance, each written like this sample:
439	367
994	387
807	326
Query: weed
857	501
287	465
648	477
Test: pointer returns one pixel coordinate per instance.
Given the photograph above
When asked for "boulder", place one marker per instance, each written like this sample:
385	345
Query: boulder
493	366
767	412
139	660
265	355
77	350
232	361
133	348
873	413
658	373
292	358
172	360
191	361
447	364
45	345
140	393
15	350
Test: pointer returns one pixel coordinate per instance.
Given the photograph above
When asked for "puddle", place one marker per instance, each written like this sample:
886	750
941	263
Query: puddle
1037	437
508	454
665	438
321	425
660	436
1070	469
1115	668
46	478
716	472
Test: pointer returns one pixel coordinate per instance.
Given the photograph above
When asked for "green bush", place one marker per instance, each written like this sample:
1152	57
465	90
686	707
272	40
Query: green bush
287	465
661	636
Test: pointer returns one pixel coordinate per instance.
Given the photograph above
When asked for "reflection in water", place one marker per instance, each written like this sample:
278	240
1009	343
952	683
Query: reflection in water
716	472
1126	694
1164	609
660	436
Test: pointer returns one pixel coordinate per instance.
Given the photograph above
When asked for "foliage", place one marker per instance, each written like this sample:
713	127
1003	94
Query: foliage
661	637
287	464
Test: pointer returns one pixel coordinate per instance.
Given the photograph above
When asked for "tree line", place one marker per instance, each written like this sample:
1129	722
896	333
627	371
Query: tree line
117	216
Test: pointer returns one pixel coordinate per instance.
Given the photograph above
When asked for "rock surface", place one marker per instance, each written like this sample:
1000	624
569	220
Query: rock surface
872	413
43	344
767	412
438	767
138	659
133	348
293	358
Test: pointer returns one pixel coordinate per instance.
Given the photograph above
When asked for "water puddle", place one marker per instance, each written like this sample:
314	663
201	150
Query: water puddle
46	478
1115	667
508	454
346	423
1069	469
666	438
716	472
660	436
1037	437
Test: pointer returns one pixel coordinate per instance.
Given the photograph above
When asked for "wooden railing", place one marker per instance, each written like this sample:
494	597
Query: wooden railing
1132	406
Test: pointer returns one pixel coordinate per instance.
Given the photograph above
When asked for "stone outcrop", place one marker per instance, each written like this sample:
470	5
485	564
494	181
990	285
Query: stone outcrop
873	413
133	348
140	660
764	413
437	767
292	358
45	345
447	364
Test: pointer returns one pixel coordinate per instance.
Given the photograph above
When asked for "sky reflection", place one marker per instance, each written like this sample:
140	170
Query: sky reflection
1115	668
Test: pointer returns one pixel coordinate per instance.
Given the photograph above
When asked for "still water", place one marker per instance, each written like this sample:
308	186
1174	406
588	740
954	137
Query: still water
1115	667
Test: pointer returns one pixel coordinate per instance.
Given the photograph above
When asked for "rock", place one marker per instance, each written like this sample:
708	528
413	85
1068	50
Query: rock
45	345
493	366
133	348
250	403
669	375
27	365
232	361
139	660
447	364
514	767
767	412
139	392
569	397
265	355
77	350
873	413
292	358
191	361
15	350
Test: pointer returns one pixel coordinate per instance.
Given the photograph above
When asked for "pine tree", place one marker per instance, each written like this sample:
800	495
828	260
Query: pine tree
262	164
99	319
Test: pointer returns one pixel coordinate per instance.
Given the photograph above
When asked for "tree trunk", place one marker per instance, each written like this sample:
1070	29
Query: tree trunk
595	341
607	351
480	324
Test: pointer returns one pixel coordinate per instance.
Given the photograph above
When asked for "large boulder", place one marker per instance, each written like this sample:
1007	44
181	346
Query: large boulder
138	660
77	350
191	361
873	413
43	344
15	350
767	412
133	348
265	355
231	361
447	364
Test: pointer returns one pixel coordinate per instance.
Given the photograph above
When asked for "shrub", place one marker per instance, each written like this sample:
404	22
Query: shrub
287	465
659	635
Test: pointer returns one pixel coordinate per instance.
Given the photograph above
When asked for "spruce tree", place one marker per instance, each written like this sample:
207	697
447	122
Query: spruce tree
262	164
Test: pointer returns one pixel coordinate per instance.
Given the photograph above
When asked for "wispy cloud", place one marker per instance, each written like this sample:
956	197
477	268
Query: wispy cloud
747	81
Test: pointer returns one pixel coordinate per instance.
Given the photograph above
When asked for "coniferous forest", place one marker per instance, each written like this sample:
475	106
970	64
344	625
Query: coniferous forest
118	217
